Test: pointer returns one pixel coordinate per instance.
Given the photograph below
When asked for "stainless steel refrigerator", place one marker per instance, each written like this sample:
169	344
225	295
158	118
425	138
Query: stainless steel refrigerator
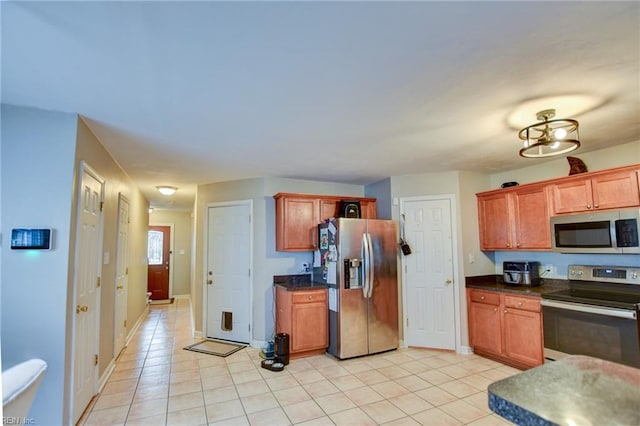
357	259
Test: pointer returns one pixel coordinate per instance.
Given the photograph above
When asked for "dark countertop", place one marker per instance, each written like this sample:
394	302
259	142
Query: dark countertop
297	282
495	283
576	390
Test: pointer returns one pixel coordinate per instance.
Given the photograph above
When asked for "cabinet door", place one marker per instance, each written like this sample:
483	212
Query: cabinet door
368	209
309	326
572	196
484	327
300	217
494	222
328	208
523	336
615	190
531	215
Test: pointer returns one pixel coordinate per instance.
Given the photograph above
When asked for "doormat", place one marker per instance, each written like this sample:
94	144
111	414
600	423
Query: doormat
162	301
214	347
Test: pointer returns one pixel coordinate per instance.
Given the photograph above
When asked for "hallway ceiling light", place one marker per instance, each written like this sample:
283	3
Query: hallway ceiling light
548	137
167	190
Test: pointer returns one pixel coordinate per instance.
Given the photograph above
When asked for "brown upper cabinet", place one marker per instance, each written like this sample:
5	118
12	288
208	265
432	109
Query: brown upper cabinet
517	218
514	219
598	191
298	215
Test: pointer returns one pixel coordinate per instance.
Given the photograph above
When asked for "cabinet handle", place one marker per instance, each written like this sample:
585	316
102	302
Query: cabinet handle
481	297
519	304
495	309
504	312
588	206
596	206
309	297
509	245
518	245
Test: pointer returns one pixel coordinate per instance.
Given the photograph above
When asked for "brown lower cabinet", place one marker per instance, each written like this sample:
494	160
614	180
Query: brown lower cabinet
303	315
506	327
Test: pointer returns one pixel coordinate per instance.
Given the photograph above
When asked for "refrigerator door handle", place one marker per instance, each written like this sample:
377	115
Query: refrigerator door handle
365	265
371	266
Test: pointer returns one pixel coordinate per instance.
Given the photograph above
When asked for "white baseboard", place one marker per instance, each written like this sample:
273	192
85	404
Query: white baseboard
197	334
135	327
465	350
102	381
182	296
261	344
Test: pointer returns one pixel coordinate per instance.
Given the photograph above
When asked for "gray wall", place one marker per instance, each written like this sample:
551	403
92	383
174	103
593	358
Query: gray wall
41	153
381	191
38	150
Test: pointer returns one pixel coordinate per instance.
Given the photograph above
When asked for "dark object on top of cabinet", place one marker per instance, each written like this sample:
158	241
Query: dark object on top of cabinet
349	208
576	166
509	184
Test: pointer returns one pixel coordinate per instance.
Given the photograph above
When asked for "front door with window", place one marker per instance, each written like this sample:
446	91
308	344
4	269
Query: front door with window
158	253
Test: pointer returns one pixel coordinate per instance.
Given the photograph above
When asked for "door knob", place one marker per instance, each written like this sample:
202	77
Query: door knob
209	282
449	282
79	308
120	287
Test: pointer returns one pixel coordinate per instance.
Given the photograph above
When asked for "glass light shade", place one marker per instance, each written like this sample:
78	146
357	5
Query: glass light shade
167	190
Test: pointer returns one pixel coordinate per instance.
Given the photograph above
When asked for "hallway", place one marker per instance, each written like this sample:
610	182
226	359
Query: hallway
156	382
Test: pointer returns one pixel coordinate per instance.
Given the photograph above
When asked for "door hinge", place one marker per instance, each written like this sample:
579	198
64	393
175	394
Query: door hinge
101	205
249	271
407	322
125	323
98	282
95	360
249	327
126	271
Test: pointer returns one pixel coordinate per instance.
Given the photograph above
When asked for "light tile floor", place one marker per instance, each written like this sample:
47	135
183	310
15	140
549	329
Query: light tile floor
156	382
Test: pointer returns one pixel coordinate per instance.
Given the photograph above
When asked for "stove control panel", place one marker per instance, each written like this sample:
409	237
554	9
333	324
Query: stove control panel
613	274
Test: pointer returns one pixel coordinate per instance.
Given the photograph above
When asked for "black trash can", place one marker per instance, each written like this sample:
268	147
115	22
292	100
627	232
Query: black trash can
282	348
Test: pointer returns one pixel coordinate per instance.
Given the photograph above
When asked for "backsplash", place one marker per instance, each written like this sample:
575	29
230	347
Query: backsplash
560	261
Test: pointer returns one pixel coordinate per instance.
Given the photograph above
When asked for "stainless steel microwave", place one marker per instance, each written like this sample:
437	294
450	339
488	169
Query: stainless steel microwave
598	232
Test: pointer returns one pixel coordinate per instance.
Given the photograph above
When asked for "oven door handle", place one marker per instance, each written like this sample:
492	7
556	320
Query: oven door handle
590	309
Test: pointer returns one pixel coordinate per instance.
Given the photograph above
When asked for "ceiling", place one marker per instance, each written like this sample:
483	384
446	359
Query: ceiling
187	93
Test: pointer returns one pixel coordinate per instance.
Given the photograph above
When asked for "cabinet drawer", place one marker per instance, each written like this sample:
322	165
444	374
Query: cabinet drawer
523	303
485	297
309	296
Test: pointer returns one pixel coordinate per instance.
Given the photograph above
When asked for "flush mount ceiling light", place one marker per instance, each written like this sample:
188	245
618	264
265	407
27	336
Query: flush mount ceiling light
549	137
167	190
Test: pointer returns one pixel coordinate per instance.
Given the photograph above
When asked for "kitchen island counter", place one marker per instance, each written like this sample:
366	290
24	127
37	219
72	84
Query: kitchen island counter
574	390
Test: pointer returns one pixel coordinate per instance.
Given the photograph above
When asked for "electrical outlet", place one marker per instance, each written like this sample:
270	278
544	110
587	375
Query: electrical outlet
549	269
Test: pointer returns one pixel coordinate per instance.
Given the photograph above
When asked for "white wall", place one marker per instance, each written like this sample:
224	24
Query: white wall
38	152
534	170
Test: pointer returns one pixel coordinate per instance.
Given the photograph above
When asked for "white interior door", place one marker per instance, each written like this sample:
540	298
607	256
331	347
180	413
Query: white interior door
86	309
228	273
428	274
122	276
